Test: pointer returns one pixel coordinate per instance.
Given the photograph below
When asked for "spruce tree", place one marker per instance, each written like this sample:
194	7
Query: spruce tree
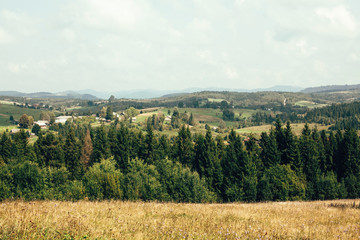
72	155
86	151
100	145
183	147
150	146
6	147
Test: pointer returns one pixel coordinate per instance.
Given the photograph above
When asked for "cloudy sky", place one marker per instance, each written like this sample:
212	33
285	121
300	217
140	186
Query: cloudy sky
111	45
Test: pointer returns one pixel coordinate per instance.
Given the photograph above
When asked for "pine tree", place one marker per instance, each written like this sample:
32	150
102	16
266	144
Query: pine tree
5	147
234	167
100	145
72	155
351	154
49	150
269	155
164	148
150	146
121	148
183	148
86	151
310	159
109	113
21	143
191	120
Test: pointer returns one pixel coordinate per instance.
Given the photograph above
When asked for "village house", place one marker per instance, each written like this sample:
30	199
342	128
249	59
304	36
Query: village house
42	123
62	119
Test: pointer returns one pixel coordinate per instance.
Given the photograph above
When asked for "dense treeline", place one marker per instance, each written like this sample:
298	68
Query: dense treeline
119	162
343	116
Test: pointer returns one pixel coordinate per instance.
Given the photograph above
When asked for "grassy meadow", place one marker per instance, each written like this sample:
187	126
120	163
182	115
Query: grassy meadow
149	220
296	128
309	104
6	110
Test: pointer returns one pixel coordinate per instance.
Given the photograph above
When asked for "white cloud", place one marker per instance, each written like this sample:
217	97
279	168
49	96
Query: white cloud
339	17
17	68
175	33
231	73
207	57
201	25
354	57
320	68
239	3
124	13
5	37
18	23
68	35
177	43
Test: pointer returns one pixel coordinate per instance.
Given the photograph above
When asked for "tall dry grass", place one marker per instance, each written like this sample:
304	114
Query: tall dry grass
138	220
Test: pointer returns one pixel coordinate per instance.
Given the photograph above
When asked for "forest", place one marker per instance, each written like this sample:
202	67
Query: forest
121	162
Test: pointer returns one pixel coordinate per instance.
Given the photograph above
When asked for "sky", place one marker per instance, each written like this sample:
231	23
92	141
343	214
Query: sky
116	45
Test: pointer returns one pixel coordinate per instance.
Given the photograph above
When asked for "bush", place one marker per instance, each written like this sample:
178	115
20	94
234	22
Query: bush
280	182
28	180
180	184
75	191
328	187
103	181
142	182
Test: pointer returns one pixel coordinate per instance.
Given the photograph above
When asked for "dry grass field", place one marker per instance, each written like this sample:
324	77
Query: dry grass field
139	220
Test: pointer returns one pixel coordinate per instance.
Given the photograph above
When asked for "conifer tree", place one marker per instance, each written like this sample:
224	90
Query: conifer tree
72	155
21	143
234	167
163	148
191	120
269	155
183	148
5	147
150	146
122	147
100	145
310	159
49	150
86	151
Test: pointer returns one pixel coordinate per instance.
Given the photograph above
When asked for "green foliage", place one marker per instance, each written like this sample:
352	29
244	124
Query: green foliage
36	129
142	182
280	182
25	121
228	115
109	113
186	168
27	180
329	188
182	185
103	181
75	191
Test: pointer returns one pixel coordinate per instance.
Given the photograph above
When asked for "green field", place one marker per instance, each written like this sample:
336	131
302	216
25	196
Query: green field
296	128
217	100
7	110
309	104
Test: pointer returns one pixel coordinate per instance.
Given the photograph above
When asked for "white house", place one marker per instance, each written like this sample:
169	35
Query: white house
42	123
62	119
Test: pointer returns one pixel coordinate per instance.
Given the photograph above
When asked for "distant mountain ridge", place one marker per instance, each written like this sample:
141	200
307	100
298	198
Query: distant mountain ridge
67	95
93	95
331	88
150	93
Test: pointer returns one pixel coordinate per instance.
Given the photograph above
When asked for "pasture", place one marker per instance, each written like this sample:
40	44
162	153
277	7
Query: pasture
6	110
339	219
309	104
296	128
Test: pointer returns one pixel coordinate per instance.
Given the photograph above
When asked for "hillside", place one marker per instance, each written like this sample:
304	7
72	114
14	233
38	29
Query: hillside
331	88
66	95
